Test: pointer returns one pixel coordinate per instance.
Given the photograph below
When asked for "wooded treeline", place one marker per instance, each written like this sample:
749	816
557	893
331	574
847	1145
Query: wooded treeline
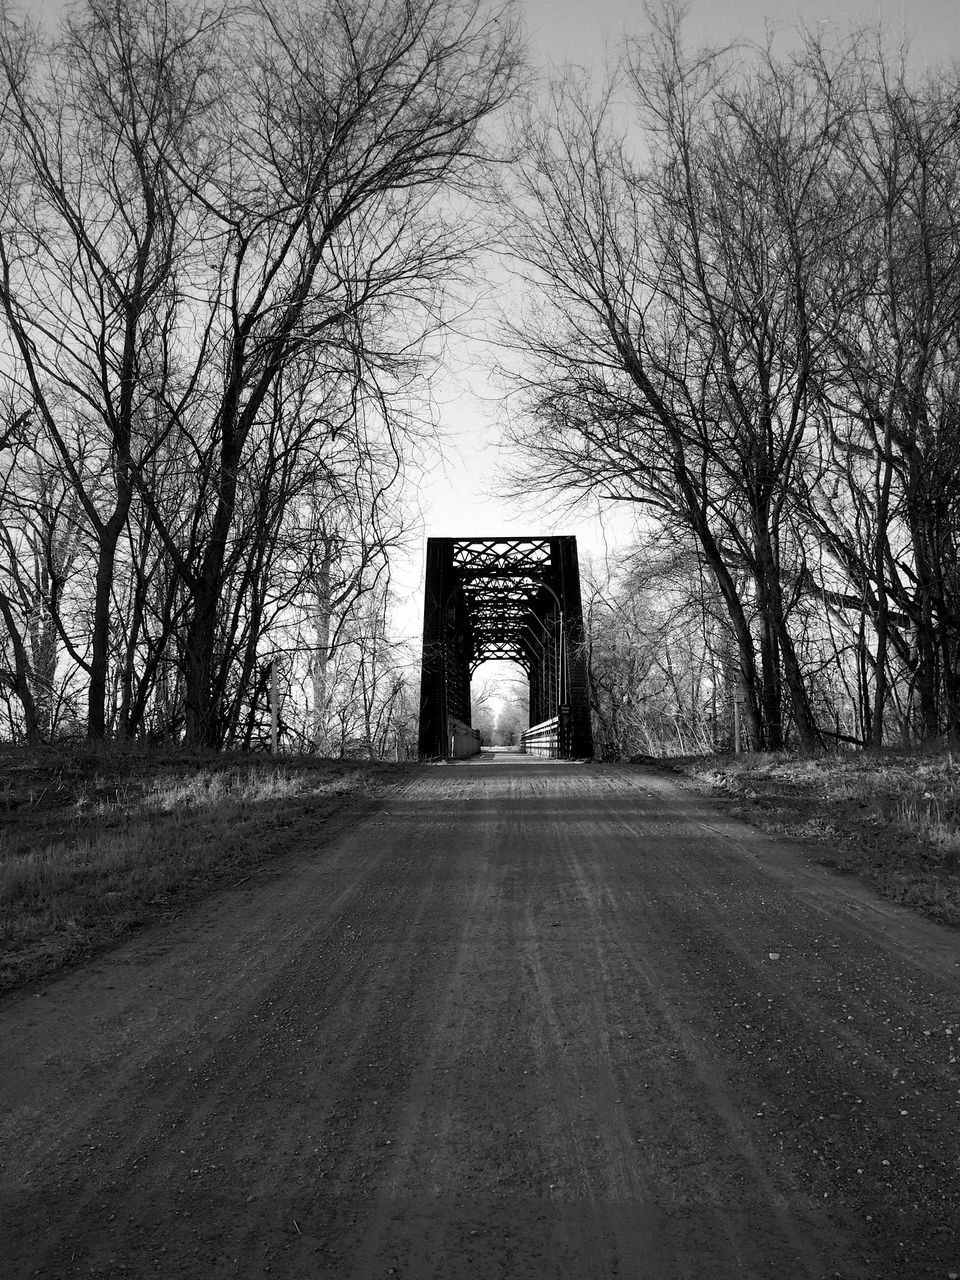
227	237
227	233
747	324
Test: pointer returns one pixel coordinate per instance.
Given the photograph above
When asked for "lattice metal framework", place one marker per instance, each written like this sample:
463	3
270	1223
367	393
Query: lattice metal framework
509	598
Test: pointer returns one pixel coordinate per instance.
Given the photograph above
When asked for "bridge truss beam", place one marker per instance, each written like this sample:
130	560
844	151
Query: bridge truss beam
516	599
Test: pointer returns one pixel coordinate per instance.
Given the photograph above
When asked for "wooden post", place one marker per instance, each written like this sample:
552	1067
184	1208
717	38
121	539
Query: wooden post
736	726
274	717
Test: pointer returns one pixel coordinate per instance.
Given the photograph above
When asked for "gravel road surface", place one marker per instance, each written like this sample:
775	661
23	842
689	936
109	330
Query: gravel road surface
524	1019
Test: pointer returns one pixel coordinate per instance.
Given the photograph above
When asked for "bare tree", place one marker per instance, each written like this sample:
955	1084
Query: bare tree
658	653
210	216
893	383
347	126
678	367
90	232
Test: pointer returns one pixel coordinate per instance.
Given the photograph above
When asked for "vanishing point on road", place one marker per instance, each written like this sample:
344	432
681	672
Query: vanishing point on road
519	1018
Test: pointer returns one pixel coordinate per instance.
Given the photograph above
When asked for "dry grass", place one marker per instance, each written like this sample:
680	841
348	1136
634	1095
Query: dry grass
95	844
892	818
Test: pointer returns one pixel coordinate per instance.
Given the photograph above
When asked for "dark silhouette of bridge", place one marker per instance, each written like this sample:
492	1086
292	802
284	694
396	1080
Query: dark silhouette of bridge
509	598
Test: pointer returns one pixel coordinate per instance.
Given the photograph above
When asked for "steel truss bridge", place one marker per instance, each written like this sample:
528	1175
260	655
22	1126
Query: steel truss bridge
510	598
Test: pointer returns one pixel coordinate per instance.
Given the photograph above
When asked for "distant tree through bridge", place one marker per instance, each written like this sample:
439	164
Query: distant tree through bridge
509	598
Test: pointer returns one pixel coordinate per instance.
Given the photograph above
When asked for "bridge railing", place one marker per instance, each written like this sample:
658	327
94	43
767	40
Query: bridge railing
542	739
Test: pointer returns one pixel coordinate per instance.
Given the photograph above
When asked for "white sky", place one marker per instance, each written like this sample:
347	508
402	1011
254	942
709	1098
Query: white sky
460	498
460	495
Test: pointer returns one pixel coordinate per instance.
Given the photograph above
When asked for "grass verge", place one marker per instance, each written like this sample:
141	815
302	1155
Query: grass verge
892	819
96	843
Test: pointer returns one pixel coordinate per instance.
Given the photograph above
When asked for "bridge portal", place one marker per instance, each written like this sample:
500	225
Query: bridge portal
511	598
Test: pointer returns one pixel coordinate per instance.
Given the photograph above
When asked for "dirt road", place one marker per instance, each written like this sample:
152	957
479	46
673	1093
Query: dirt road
527	1019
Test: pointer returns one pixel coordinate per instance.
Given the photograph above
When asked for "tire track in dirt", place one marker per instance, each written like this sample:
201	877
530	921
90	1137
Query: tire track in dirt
519	1023
716	1154
814	1051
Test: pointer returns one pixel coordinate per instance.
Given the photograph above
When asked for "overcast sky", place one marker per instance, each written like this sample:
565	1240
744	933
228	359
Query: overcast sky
562	30
458	496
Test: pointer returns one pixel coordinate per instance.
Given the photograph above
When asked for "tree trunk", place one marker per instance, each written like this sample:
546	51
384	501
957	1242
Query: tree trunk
731	599
21	683
925	672
771	696
880	570
319	673
809	733
925	675
767	583
102	609
202	727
